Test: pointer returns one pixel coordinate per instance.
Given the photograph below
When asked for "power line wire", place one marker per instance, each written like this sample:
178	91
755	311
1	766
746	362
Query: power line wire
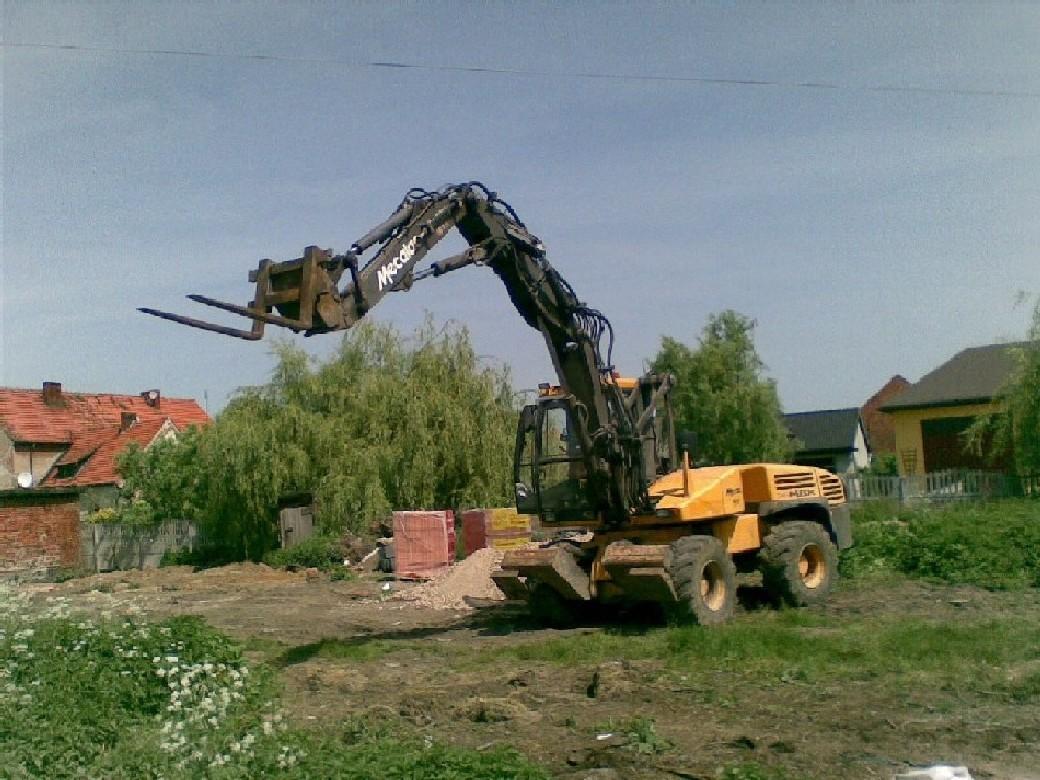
601	76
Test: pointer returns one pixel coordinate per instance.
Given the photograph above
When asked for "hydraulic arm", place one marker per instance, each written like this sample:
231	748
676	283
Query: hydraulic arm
306	295
599	450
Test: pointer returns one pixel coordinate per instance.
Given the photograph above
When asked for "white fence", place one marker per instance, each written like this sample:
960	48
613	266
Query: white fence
111	546
954	485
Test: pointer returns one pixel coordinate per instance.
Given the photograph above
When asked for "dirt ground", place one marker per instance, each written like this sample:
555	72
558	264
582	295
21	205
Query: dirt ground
399	666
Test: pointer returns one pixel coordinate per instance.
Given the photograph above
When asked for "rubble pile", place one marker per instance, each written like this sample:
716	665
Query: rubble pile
468	579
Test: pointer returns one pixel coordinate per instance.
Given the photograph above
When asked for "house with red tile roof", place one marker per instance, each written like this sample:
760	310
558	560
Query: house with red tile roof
61	440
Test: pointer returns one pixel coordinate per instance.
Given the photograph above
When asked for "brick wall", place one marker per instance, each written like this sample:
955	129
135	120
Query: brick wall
38	530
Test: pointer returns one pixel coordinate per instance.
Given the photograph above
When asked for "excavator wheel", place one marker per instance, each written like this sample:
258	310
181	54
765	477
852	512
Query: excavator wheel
705	580
799	562
549	608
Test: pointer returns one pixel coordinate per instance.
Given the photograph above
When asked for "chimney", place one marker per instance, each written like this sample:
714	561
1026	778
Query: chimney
127	420
52	393
152	398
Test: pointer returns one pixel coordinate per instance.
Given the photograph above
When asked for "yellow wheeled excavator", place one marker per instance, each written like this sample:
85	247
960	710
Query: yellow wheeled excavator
597	451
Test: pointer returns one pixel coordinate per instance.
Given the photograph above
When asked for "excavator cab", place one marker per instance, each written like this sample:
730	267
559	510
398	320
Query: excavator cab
549	466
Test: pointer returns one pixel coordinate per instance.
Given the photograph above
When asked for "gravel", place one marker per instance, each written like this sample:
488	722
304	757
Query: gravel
468	579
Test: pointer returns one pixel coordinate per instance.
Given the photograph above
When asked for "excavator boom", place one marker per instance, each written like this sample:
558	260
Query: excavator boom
598	451
305	295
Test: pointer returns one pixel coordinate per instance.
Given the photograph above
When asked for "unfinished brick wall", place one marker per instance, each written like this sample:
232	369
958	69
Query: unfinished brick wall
38	531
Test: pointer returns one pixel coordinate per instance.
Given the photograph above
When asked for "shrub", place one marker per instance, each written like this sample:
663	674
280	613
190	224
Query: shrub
994	545
104	515
318	551
128	512
201	557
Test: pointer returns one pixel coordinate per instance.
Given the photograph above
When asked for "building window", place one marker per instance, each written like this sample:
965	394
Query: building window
67	470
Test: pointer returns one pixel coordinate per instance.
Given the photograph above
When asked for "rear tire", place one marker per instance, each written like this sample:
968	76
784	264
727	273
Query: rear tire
705	581
799	562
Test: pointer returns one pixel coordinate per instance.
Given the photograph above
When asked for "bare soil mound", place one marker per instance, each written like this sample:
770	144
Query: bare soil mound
179	578
456	587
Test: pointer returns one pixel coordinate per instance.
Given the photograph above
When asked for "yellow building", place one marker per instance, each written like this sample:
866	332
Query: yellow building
931	416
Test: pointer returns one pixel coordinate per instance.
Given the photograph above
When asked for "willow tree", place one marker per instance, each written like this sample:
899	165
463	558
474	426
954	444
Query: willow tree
722	394
386	423
1016	428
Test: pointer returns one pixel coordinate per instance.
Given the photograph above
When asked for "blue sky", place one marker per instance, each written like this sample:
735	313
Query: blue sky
868	231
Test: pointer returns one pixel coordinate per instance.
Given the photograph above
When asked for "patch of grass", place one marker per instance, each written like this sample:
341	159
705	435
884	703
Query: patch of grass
1024	689
355	650
641	736
750	771
792	648
340	573
117	698
265	647
405	757
994	545
175	699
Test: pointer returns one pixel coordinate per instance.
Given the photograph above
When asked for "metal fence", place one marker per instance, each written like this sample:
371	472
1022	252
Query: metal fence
939	486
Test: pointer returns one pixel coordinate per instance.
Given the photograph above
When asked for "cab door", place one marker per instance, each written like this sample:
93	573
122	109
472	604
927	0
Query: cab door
550	471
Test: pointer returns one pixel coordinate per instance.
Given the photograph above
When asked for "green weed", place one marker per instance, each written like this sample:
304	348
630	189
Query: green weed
122	698
994	545
319	552
786	648
642	737
750	772
356	650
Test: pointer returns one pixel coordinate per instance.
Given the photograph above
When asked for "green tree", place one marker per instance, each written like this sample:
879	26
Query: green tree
1017	426
722	394
386	423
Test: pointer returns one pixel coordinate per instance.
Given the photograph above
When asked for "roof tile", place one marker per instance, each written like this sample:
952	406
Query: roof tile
825	430
90	424
974	375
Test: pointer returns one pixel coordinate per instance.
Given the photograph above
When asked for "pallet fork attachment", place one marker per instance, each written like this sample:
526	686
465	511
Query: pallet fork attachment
301	291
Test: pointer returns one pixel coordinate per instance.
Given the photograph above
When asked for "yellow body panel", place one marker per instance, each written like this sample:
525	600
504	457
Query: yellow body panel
717	492
712	491
740	534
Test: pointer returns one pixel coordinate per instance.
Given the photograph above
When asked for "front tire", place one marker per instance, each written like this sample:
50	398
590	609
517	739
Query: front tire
705	581
799	562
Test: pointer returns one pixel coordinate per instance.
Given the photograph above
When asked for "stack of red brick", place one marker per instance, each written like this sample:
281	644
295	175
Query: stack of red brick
424	542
